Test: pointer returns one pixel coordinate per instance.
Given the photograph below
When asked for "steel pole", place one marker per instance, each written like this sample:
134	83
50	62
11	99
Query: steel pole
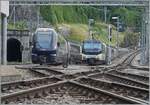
0	38
4	39
89	26
148	30
117	35
14	18
105	14
142	56
38	18
109	47
147	33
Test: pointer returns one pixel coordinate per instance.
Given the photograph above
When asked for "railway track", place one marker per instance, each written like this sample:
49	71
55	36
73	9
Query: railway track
118	88
10	87
93	70
119	79
43	71
47	71
53	92
140	69
97	86
52	77
127	62
137	77
86	73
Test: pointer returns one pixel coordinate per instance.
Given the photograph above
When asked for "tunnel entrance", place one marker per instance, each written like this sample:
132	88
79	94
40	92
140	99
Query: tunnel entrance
14	53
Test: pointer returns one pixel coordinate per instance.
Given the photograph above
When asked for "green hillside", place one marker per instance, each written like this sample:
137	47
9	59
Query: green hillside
76	18
69	14
80	14
79	32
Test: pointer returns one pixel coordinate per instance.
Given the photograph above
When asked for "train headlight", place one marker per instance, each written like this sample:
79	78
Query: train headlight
53	54
34	54
84	57
100	56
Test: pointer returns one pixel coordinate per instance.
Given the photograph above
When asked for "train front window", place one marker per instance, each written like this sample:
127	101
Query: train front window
91	46
44	39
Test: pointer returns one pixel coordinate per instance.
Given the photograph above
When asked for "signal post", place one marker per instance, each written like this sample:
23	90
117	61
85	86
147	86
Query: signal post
109	47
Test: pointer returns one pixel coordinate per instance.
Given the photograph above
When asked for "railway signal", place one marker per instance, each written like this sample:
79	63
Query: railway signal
110	33
117	36
91	24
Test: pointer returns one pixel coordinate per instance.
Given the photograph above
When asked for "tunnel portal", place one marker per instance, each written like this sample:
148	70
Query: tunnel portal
14	53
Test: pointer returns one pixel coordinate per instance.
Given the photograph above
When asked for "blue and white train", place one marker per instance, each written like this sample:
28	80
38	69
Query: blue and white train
49	47
93	52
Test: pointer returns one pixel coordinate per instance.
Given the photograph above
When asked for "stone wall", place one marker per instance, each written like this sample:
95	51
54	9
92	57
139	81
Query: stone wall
23	36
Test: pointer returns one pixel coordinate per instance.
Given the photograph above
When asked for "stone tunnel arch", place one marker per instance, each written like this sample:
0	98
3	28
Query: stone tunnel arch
14	53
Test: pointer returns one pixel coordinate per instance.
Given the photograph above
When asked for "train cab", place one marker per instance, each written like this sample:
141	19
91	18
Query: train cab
93	51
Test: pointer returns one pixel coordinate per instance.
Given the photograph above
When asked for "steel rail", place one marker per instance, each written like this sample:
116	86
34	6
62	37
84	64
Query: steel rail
48	69
25	84
82	2
45	71
118	88
120	79
129	79
26	93
108	93
64	86
131	75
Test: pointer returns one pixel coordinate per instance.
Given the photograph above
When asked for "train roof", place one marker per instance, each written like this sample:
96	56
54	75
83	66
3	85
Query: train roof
45	29
91	40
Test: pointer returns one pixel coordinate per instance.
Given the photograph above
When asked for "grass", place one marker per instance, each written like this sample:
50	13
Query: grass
79	32
18	25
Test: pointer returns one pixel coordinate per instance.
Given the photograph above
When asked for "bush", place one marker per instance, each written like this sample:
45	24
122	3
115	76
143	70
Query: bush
130	39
